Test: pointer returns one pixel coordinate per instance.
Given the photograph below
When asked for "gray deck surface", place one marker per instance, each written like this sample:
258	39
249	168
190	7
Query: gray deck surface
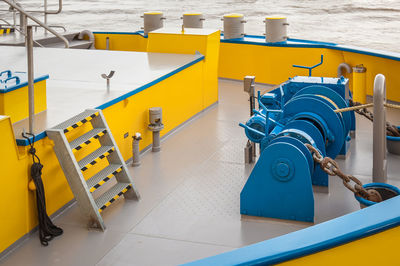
75	83
190	198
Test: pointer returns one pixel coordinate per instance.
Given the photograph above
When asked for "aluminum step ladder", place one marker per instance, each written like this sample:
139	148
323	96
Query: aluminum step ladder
74	169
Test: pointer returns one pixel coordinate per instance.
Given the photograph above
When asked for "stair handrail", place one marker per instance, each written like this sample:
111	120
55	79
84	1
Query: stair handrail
21	10
9	24
48	12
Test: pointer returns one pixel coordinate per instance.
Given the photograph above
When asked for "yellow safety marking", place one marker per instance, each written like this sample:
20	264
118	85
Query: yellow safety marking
233	15
114	198
153	13
87	142
275	18
98	159
1	32
80	123
102	182
8	31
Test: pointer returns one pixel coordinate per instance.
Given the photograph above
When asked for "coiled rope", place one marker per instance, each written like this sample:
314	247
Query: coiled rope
47	230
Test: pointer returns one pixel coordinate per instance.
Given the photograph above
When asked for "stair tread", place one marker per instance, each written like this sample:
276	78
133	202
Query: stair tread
110	194
78	141
75	119
94	180
96	154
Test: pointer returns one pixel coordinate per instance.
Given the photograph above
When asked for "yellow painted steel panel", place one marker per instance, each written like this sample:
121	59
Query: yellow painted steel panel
378	249
121	42
15	103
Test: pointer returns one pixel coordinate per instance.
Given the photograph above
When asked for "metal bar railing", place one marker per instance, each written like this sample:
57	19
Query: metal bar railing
8	24
34	26
22	11
49	12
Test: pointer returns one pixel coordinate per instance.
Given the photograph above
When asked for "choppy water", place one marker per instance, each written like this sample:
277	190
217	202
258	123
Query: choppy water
367	23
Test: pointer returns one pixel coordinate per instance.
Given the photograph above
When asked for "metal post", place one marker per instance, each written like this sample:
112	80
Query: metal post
379	167
135	149
22	22
29	50
107	43
45	15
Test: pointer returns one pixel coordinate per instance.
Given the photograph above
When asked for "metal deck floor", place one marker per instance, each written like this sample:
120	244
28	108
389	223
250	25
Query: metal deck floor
190	198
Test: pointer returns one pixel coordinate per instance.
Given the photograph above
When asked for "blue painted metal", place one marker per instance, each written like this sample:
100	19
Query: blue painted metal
350	227
298	112
311	67
366	202
279	173
8	72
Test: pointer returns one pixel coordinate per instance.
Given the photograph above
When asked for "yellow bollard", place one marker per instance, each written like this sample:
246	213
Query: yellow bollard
359	84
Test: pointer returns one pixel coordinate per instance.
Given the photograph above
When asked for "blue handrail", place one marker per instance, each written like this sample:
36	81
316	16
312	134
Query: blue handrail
312	67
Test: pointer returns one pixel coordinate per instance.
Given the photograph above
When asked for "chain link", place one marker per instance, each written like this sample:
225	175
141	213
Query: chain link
391	130
331	167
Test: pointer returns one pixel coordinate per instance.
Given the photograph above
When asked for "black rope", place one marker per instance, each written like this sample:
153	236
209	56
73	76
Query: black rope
47	230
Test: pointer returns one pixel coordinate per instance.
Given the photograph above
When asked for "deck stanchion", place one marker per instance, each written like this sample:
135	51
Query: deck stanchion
29	49
379	167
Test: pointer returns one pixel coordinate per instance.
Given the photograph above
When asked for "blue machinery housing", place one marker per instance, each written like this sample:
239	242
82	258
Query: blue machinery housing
299	111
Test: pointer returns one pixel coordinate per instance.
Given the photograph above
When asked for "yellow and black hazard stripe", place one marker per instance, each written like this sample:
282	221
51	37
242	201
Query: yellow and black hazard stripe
105	179
6	31
98	159
98	135
115	198
80	123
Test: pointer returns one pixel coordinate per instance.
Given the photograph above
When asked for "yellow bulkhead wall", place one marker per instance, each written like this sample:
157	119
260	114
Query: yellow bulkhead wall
273	65
121	42
15	103
377	249
181	96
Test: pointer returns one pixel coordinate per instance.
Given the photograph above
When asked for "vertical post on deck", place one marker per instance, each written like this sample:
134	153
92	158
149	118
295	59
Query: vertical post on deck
29	50
379	167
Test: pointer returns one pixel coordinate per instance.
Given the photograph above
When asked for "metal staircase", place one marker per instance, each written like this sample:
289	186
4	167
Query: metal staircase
73	169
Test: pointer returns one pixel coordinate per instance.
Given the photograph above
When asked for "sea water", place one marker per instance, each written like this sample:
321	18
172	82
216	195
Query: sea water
372	24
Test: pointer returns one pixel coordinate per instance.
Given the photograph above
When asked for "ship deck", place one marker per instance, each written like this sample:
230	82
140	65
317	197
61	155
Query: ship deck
190	198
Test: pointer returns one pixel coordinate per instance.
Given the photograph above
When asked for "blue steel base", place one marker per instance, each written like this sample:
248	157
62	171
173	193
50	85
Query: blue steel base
281	167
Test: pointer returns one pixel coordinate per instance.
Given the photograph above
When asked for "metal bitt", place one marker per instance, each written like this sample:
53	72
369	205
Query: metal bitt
276	29
250	148
156	125
31	92
135	149
379	167
193	20
152	21
233	26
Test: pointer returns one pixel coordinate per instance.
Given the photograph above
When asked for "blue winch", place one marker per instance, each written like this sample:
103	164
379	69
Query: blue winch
299	111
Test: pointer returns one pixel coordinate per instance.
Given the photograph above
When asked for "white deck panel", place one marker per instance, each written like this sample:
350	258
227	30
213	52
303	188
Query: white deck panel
75	82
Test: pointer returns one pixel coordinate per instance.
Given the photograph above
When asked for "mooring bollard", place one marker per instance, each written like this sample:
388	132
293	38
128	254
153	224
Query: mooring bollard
135	149
152	21
193	20
156	125
233	26
275	29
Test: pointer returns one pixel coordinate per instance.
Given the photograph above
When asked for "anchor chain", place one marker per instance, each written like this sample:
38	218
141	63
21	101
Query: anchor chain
331	167
391	130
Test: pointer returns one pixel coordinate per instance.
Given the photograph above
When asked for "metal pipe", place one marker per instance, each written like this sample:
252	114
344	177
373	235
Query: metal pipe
22	22
135	149
343	66
29	50
45	15
21	10
52	12
379	167
8	24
